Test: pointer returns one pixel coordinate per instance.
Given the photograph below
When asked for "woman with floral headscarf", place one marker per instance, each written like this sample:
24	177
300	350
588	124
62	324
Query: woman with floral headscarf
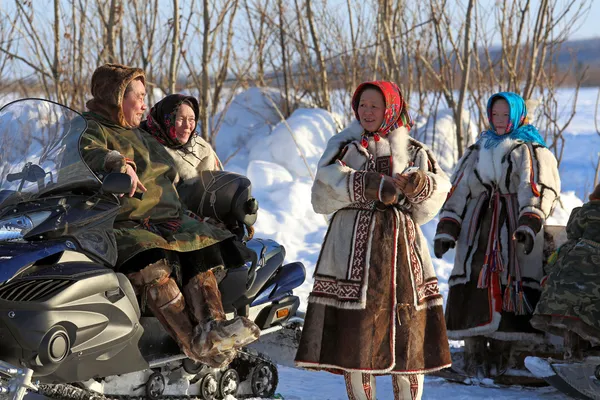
172	121
504	188
375	307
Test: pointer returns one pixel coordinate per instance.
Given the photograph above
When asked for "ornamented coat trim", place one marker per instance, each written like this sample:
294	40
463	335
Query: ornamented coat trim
426	292
352	292
362	302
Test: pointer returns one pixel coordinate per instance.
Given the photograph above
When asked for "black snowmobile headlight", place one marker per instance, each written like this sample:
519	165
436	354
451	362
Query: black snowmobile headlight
17	227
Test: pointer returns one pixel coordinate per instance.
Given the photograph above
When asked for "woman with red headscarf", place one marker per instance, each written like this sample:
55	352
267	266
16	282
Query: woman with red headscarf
375	308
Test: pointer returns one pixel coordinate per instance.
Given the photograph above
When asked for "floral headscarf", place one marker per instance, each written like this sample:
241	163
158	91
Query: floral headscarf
396	110
161	119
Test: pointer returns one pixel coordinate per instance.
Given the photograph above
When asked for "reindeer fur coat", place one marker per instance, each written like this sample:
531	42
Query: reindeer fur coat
375	305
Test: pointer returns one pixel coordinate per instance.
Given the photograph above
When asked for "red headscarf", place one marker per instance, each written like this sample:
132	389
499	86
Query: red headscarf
396	110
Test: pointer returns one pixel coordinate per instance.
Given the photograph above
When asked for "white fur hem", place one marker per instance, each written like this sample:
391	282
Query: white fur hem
483	330
308	365
431	303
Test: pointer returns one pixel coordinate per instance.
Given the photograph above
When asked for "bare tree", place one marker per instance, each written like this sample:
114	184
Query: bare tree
7	41
452	62
282	43
597	173
111	18
324	100
174	48
441	53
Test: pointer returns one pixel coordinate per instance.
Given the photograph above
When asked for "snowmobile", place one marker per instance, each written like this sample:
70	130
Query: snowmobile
578	380
70	325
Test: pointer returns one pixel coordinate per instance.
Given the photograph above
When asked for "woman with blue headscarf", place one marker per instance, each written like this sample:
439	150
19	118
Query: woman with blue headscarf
503	190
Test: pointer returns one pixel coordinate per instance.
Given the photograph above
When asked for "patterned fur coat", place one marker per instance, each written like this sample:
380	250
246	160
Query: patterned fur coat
511	187
375	305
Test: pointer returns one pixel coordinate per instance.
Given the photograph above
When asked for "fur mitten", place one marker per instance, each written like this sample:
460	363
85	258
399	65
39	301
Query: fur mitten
116	162
416	184
380	187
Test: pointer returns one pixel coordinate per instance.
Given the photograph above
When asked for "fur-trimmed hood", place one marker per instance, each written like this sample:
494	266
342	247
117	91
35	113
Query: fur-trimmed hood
109	82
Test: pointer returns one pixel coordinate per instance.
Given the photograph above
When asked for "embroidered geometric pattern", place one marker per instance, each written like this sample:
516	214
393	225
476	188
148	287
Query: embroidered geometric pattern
429	289
358	186
366	381
360	245
368	206
371	165
424	193
424	289
342	290
415	262
414	386
348	381
383	165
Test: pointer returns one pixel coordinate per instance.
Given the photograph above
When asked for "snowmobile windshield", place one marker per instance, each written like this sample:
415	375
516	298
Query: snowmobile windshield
39	151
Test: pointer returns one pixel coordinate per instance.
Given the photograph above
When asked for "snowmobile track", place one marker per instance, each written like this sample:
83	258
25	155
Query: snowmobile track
65	391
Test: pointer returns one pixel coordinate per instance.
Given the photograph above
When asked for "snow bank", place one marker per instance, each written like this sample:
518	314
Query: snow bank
439	134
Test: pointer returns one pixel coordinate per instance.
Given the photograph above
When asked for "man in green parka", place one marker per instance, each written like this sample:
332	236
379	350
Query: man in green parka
570	301
155	237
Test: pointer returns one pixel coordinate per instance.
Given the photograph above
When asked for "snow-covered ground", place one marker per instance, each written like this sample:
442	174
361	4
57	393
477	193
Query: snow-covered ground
280	158
298	384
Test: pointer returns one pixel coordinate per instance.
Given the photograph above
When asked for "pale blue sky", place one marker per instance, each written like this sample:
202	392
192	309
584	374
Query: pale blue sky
589	28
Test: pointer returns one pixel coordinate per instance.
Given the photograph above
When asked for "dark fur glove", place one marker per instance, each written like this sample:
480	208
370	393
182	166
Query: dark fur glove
384	191
441	246
526	240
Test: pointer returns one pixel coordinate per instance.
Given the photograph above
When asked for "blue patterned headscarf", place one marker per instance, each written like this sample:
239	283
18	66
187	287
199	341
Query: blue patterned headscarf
518	127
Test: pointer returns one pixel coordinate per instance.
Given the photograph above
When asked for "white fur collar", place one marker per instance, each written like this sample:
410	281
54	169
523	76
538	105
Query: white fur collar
398	141
337	141
490	165
399	147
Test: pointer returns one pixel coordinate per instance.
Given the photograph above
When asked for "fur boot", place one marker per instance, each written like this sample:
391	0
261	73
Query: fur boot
476	357
575	346
162	295
214	334
500	355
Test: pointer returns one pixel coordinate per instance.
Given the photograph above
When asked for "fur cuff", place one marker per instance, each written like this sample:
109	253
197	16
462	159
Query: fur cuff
444	236
532	221
532	210
422	188
448	226
526	229
115	162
